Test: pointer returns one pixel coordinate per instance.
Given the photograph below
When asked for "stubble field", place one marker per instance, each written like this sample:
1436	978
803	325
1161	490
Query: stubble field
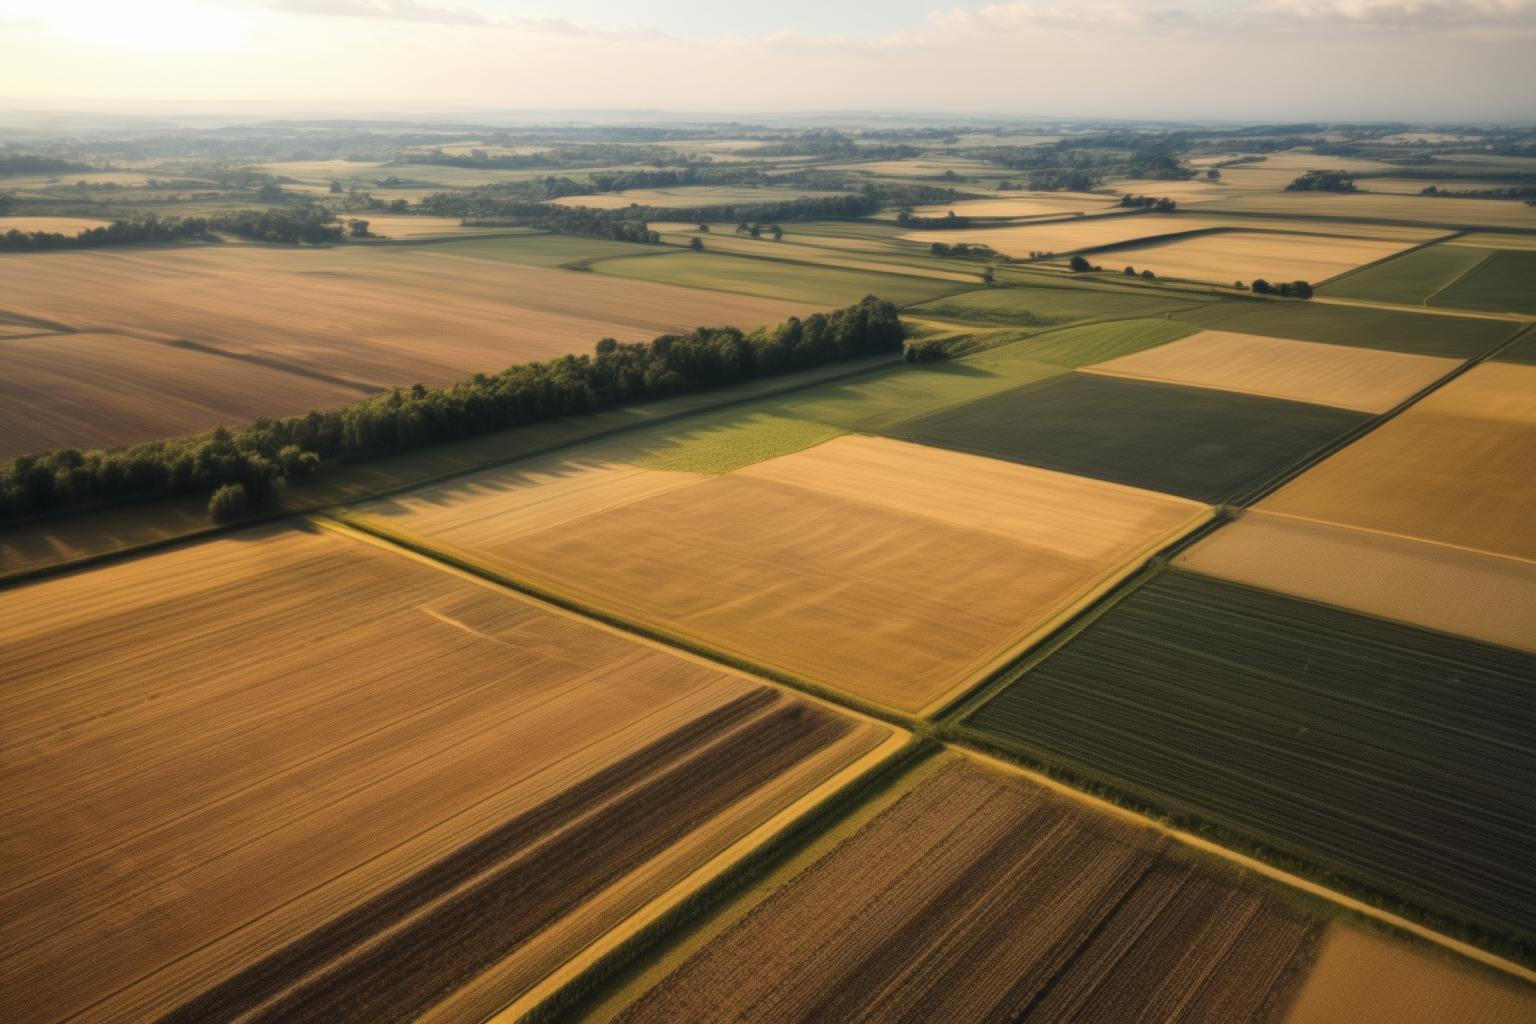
289	769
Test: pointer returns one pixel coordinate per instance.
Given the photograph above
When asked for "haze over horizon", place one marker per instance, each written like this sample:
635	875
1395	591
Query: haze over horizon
1417	60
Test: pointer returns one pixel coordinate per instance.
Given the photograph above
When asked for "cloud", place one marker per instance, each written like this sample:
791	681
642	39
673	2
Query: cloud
384	10
1120	16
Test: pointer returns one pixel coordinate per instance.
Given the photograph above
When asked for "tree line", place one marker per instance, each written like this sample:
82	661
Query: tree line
1323	181
252	461
289	227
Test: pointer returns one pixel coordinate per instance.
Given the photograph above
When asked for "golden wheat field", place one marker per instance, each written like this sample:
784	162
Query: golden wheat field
291	764
1364	978
1450	589
93	390
1366	380
52	225
1228	256
380	316
895	572
1455	468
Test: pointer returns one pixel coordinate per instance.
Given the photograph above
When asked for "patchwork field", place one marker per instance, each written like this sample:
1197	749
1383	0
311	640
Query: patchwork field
1364	978
1454	590
775	278
313	320
1039	304
1505	282
1227	256
1455	469
290	772
1365	380
1198	443
91	390
1454	337
53	225
1410	279
897	573
1399	758
981	897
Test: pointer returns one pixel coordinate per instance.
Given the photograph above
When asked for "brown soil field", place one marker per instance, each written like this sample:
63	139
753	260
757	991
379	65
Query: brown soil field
292	767
1367	380
1453	590
375	315
898	573
1454	468
980	897
1362	978
96	390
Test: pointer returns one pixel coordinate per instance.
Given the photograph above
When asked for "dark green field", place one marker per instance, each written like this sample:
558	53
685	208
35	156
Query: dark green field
1390	329
1400	758
1194	442
1408	279
1503	283
1041	305
1522	351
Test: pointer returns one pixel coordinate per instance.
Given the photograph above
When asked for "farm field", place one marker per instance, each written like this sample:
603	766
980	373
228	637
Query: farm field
690	195
1365	380
1378	753
778	279
1363	978
1428	211
297	821
325	325
1522	351
935	592
1206	445
1454	469
1454	337
92	390
1051	303
1410	279
979	896
60	225
1021	204
1225	256
1505	282
1454	590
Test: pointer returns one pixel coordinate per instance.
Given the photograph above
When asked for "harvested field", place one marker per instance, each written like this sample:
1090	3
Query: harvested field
1062	236
1226	256
1397	758
1206	445
411	225
53	225
1394	330
290	769
1022	204
897	573
1411	278
1455	468
1362	978
1490	240
97	390
686	196
381	316
981	897
1454	590
1362	379
1505	282
778	279
1418	210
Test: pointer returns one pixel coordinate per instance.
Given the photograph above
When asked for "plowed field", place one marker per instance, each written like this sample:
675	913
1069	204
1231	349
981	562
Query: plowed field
1455	468
1365	380
1454	590
289	772
978	897
896	572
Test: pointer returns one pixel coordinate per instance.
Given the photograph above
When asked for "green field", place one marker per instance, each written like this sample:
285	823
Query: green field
1392	756
1390	329
773	278
1410	279
538	250
1198	443
1503	283
1522	351
1047	304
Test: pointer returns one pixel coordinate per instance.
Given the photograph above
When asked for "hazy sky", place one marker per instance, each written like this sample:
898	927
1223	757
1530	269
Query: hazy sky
1244	59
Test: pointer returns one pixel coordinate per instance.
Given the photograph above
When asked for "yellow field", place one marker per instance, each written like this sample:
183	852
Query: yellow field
687	195
1453	590
1023	204
70	226
1246	255
1366	206
899	573
398	225
1362	978
210	753
1067	235
1454	468
1489	240
1368	380
363	316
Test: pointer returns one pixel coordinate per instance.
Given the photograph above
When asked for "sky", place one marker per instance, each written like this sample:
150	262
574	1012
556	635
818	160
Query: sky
1423	61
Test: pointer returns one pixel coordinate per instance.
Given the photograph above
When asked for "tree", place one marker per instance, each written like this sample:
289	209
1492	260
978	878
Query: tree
1130	271
335	187
696	244
777	231
359	228
704	228
271	192
399	206
1148	275
1260	286
1323	181
1301	290
743	228
229	503
1213	174
987	275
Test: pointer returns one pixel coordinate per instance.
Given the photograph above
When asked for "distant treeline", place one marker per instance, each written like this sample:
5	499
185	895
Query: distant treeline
1323	181
256	458
1285	289
907	219
1078	163
1163	205
1527	195
12	164
284	226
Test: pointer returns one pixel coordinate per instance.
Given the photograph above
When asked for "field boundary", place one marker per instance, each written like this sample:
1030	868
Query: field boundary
1388	259
1293	881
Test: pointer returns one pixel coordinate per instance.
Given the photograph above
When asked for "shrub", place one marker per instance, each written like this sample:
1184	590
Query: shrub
1080	265
229	503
